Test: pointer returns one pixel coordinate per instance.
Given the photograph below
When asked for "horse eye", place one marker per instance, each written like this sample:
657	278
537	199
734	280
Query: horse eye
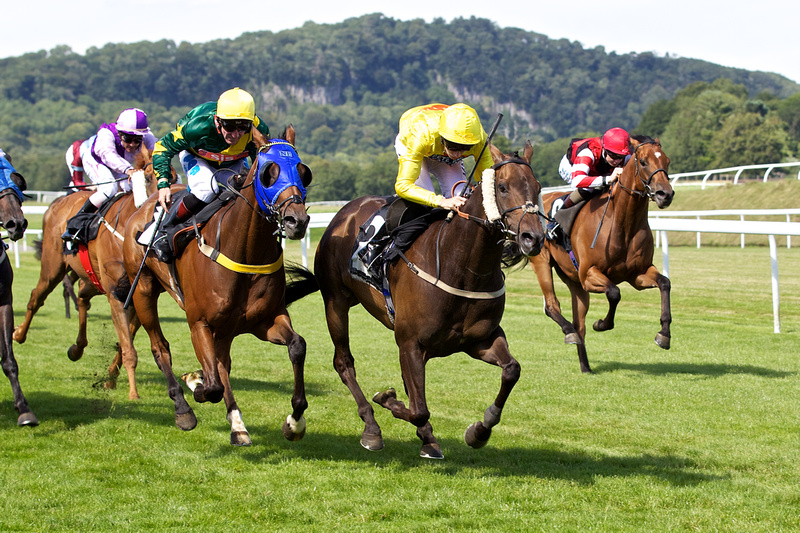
502	188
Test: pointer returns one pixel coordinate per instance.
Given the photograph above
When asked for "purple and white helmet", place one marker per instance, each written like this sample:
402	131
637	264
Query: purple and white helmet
133	121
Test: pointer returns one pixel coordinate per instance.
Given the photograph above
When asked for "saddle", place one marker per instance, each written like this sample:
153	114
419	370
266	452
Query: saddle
388	233
179	235
84	226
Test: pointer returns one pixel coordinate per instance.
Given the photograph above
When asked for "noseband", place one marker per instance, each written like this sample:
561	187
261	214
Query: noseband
527	207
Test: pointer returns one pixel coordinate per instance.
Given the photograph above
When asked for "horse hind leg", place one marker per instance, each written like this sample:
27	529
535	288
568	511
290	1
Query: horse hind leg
580	307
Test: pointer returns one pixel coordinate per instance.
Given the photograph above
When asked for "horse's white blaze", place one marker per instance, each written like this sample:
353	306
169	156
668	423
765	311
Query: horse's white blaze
658	154
296	426
237	424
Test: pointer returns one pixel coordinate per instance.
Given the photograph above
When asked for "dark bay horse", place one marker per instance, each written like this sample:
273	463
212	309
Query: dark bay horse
239	290
623	250
13	220
104	270
457	309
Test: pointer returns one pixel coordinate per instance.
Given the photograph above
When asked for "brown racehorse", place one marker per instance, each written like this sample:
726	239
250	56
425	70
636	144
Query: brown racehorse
13	220
105	257
239	291
623	250
461	312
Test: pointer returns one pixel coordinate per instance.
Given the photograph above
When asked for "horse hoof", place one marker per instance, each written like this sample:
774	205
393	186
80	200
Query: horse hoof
477	435
663	341
18	336
73	353
240	438
294	430
600	325
372	443
382	397
431	451
186	421
27	419
111	384
572	338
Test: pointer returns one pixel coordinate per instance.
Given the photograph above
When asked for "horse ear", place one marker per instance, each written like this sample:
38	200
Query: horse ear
497	155
527	152
288	134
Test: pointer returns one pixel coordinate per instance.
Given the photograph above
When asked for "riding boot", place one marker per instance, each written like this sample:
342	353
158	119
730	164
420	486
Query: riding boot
71	233
188	206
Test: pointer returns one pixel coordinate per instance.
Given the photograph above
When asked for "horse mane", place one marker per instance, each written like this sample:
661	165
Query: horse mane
645	139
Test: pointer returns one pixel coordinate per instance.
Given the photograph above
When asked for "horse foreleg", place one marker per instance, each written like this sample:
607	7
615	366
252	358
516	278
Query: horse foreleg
126	354
652	278
10	368
412	367
552	307
337	318
294	427
580	307
212	389
495	352
145	301
597	282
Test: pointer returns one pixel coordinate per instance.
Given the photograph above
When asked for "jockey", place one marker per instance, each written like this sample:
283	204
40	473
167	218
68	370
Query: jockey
591	165
75	165
108	156
211	137
433	140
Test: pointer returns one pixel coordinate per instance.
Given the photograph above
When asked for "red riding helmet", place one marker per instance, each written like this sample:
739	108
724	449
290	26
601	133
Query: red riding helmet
616	140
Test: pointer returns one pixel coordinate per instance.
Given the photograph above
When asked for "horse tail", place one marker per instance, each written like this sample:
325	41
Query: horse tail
37	249
300	283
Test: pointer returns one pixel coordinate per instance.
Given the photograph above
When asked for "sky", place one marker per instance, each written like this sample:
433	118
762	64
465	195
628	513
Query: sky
732	33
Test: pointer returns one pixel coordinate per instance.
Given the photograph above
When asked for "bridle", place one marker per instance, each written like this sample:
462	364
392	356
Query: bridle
648	192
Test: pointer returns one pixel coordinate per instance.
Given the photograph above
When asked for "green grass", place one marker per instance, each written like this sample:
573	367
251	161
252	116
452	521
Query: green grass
701	437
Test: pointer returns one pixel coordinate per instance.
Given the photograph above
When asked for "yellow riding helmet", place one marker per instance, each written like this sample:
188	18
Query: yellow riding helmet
460	124
236	104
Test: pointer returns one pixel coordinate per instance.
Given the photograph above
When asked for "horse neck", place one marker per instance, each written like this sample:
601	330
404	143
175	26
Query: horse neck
250	235
476	249
630	208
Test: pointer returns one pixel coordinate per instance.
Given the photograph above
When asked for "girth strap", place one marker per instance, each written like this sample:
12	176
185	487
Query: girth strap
452	290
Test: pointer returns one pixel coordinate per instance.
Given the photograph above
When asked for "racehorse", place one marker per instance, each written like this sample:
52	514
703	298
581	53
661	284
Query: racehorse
623	250
237	288
13	220
455	306
102	269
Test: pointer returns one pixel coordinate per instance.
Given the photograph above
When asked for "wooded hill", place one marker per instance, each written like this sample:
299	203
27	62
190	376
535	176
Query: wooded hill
344	87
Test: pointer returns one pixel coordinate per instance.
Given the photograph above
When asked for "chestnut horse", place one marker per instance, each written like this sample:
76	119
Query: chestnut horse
237	288
448	294
105	269
13	220
623	250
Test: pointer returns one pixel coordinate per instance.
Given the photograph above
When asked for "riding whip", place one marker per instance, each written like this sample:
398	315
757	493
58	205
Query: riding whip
144	258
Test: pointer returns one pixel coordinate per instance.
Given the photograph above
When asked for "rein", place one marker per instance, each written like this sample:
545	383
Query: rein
489	225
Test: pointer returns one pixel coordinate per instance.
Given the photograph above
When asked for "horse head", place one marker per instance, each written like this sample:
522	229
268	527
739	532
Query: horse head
11	216
511	198
650	171
280	180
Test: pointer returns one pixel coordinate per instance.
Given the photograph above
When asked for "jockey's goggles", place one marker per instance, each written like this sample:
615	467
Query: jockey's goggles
235	125
614	157
129	138
455	147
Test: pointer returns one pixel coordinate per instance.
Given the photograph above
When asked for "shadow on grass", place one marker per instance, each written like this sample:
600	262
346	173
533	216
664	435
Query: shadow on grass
403	455
711	370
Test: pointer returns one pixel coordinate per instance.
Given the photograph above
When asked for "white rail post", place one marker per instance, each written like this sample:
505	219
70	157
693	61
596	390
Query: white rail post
664	254
741	217
776	295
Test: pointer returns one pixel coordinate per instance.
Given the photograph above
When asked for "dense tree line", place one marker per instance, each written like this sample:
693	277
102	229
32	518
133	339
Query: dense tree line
344	87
